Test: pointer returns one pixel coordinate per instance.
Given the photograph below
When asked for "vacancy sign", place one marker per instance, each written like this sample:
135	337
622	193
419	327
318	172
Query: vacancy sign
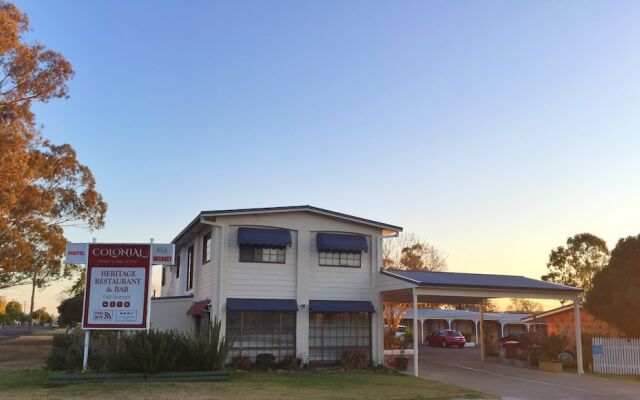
117	286
162	254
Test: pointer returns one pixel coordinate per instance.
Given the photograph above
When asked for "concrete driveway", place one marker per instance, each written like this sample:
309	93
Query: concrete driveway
463	367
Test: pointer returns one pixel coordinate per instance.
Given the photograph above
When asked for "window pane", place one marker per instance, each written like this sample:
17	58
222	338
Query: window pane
339	259
331	334
262	255
257	332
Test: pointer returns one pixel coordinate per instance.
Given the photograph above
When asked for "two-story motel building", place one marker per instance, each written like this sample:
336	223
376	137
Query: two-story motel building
304	281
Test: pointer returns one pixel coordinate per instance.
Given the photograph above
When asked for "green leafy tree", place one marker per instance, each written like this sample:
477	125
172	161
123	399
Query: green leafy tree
70	310
41	316
615	296
577	263
14	312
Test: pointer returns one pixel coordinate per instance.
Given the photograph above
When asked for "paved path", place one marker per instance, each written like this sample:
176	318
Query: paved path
462	367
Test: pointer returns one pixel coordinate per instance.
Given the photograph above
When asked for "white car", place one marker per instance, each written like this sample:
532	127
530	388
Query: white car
402	329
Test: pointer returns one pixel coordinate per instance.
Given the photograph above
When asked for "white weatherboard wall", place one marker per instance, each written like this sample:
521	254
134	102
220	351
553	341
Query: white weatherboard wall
300	277
171	314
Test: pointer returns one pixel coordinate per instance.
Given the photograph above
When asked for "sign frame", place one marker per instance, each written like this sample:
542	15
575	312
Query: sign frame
118	259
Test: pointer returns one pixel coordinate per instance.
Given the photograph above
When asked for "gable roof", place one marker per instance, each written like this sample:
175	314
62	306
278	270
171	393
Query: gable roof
487	281
271	210
547	313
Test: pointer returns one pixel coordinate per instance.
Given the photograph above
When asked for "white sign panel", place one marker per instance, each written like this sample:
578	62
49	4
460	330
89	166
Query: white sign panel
117	286
162	254
76	253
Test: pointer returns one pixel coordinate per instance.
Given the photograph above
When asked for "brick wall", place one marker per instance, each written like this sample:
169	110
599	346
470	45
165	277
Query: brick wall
563	322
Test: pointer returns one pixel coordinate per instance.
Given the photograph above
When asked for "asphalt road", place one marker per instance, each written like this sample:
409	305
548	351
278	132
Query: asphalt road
463	367
16	331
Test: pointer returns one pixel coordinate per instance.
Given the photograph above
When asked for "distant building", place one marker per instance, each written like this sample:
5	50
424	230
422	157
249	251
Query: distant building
560	321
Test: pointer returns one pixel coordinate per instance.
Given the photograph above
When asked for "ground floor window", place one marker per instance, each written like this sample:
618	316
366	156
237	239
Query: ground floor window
330	334
257	332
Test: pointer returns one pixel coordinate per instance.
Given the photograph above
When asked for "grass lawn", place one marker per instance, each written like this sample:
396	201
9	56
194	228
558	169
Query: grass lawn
19	382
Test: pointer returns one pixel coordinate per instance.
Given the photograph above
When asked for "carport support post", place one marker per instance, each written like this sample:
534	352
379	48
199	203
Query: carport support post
415	332
578	329
482	357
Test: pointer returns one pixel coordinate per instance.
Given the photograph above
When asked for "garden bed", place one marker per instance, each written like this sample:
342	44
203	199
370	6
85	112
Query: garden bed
60	379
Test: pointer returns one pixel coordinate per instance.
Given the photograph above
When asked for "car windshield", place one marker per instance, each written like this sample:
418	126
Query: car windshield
454	333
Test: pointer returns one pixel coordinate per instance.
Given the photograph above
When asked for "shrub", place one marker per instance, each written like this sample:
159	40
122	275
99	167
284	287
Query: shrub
241	362
67	352
552	346
148	352
265	361
290	363
354	360
408	339
206	350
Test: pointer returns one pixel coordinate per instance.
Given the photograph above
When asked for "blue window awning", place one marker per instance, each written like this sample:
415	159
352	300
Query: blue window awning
263	237
262	305
340	306
334	242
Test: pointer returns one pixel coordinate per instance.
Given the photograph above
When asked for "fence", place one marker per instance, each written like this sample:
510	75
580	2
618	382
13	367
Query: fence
619	356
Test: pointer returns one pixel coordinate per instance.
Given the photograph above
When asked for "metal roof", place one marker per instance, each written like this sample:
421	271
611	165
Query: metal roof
481	281
513	318
267	210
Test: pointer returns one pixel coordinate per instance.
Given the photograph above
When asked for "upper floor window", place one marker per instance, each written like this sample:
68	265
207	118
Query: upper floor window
190	268
339	259
340	250
206	247
262	255
164	276
178	266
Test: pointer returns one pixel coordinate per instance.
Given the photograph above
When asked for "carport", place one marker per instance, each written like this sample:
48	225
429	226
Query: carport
413	287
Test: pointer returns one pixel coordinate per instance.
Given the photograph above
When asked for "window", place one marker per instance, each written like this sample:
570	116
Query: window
164	276
331	334
257	332
206	247
262	255
190	268
178	266
339	259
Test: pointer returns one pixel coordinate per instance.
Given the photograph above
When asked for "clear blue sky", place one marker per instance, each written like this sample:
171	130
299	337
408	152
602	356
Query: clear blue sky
492	129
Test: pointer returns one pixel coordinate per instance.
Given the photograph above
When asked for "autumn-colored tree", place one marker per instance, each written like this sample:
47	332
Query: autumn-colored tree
43	187
408	251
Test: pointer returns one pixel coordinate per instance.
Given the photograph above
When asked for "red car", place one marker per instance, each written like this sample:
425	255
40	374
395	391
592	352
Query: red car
445	338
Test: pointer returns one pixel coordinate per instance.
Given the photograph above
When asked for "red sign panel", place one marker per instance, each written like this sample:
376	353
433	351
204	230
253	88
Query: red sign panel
117	286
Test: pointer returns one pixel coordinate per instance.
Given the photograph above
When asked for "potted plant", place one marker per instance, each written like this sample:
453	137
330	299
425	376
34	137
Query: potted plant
401	363
552	346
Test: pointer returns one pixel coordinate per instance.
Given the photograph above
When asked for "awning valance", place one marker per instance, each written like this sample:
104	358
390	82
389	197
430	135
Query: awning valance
198	307
262	305
264	237
340	306
334	242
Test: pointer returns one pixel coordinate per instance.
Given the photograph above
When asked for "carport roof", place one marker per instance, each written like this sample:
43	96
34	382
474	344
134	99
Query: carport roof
479	281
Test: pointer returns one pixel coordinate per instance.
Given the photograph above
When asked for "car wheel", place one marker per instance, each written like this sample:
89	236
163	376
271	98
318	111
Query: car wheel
427	342
444	343
462	346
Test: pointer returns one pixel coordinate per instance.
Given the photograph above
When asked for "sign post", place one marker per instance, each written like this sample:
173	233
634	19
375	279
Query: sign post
117	284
